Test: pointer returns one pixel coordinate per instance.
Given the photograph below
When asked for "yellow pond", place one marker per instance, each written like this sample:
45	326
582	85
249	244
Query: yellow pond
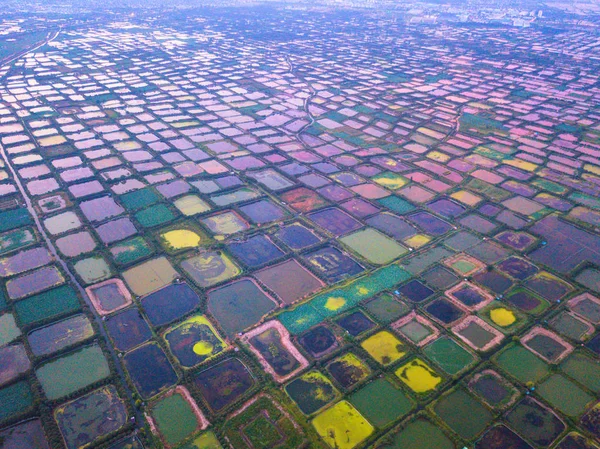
418	376
181	239
191	205
502	317
342	426
384	347
335	303
418	240
203	348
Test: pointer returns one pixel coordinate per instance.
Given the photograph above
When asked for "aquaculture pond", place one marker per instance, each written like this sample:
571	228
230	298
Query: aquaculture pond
182	237
224	383
583	369
207	440
25	260
384	347
374	246
381	402
160	307
415	432
289	280
276	352
419	376
297	237
14	362
83	420
501	437
255	251
109	296
128	329
264	423
194	341
347	370
311	392
226	223
303	199
521	364
336	301
16	399
335	221
386	308
27	434
239	305
535	422
9	330
116	230
50	304
34	282
55	337
493	389
17	239
130	251
210	268
449	355
332	265
149	370
554	391
355	323
319	341
150	276
72	372
263	212
175	417
463	413
342	426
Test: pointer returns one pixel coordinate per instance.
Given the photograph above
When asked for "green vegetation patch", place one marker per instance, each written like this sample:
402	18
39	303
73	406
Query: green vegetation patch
482	124
549	186
564	395
386	308
139	199
131	251
521	364
207	440
8	329
174	418
16	218
487	189
396	204
463	413
449	355
154	216
15	399
50	304
336	301
263	425
582	198
415	433
381	402
374	246
16	239
583	369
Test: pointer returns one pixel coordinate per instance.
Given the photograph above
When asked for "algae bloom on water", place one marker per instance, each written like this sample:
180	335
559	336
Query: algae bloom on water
502	317
419	376
181	239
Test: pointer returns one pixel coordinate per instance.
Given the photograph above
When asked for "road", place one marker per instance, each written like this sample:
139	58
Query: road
49	38
306	106
57	257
